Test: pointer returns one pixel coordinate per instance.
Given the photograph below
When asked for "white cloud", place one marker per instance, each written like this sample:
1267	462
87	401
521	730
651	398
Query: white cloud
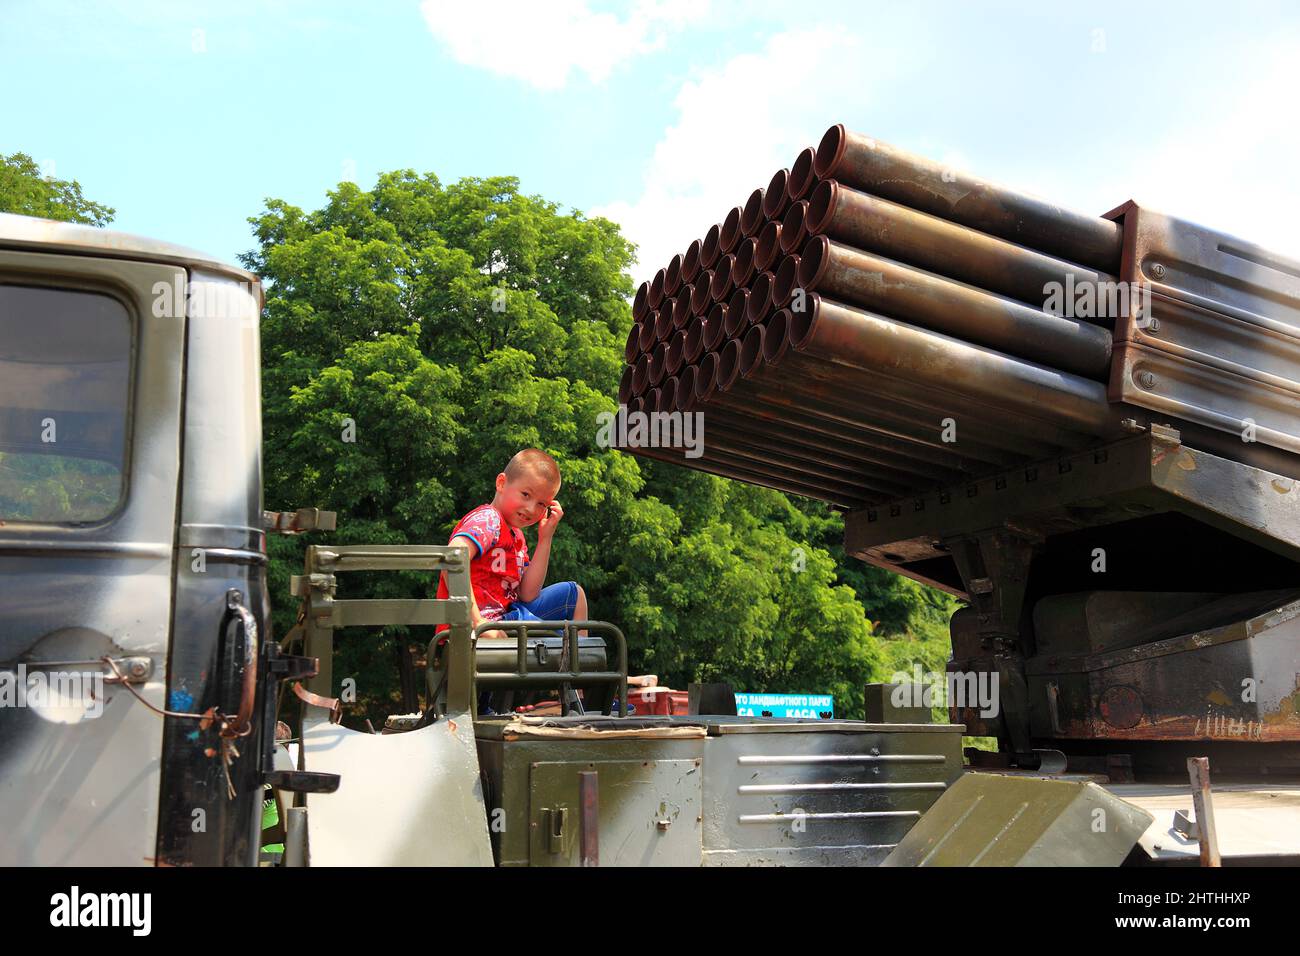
737	125
543	42
1235	173
1234	170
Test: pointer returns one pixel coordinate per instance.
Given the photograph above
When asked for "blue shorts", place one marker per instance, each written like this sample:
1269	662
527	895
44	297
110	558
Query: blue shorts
557	602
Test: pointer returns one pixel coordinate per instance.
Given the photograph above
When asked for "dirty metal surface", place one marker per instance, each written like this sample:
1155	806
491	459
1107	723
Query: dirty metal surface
1133	478
77	789
817	796
1254	821
517	793
720	726
1221	345
1239	682
27	232
1086	622
1000	820
648	812
220	519
408	799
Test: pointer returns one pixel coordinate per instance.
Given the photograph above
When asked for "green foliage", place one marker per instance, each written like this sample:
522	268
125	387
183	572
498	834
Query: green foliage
56	488
25	191
450	326
48	487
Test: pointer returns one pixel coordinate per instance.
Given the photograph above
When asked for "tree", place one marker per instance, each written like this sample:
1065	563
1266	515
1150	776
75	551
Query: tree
25	191
48	487
416	335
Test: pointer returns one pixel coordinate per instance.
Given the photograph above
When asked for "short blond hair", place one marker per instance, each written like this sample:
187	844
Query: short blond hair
535	463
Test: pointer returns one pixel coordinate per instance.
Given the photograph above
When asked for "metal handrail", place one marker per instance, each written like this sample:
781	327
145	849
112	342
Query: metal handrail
322	613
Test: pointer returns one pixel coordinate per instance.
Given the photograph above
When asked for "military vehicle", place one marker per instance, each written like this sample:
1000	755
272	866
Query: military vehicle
1085	427
133	560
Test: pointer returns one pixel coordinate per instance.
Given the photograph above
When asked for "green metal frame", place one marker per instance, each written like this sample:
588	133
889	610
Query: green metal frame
323	613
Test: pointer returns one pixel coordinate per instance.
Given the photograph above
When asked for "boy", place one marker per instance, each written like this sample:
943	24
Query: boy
505	585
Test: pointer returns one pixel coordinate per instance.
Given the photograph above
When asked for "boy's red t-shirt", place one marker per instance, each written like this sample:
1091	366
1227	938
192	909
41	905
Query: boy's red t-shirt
496	571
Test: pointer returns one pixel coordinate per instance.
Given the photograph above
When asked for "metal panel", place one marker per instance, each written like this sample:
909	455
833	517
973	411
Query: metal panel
27	232
1086	622
221	546
818	792
409	799
1249	408
86	792
508	764
1132	478
201	674
1188	687
1254	822
221	506
1221	344
1003	820
648	812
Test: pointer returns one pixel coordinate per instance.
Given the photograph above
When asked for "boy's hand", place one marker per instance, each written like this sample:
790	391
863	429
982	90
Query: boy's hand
546	526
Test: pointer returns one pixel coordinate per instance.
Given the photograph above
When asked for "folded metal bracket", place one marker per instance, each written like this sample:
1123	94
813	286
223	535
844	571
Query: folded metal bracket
297	522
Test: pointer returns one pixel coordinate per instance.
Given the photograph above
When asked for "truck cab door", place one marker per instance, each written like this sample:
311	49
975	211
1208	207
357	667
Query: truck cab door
90	396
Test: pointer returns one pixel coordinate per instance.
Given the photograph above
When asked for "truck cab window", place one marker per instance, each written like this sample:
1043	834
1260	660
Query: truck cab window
65	365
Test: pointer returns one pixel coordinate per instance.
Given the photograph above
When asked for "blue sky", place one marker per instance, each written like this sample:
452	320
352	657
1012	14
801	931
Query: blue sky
660	115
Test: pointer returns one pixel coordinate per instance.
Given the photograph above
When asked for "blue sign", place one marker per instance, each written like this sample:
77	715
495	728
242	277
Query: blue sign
786	705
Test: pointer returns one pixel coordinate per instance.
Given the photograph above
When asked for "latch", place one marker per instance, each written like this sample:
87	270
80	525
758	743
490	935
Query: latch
284	668
1166	434
292	667
300	585
553	823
